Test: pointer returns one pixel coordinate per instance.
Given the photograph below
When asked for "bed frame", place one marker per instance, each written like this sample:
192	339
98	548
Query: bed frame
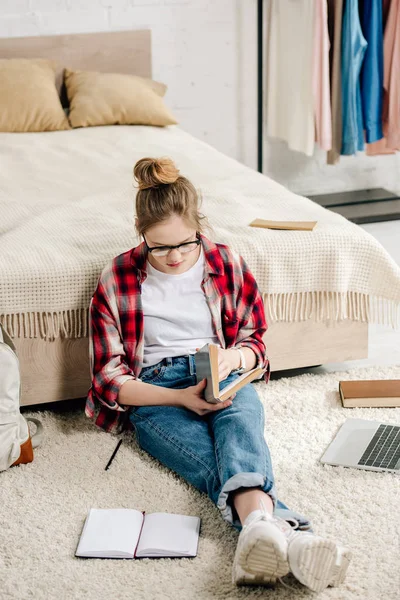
59	370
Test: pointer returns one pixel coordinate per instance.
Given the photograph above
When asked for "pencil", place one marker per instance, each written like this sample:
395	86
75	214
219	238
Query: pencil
113	454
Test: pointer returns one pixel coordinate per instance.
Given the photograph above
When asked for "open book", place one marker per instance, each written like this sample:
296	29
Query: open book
130	533
206	360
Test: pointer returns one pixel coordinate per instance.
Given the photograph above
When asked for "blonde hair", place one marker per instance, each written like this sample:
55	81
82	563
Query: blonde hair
162	193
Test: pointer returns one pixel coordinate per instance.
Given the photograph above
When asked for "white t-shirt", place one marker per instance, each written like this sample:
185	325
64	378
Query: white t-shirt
177	319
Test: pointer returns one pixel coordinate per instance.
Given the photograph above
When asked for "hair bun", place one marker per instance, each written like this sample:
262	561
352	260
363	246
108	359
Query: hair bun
152	172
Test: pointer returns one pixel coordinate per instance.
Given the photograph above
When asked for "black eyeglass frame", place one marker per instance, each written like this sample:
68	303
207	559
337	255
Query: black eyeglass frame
197	241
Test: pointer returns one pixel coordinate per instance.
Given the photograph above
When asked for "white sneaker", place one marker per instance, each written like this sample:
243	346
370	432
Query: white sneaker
269	548
261	553
316	561
344	556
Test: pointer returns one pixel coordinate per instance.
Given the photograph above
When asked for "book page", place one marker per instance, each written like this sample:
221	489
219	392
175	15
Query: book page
384	402
110	533
240	382
166	534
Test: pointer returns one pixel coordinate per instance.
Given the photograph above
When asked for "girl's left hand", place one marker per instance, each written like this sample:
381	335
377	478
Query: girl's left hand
227	362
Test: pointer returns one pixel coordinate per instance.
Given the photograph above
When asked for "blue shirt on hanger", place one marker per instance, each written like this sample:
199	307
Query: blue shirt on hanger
353	49
372	69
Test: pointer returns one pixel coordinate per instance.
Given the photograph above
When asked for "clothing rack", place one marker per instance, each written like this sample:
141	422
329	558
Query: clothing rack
260	96
359	206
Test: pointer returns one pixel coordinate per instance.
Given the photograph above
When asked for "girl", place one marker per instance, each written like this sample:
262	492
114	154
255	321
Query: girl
153	307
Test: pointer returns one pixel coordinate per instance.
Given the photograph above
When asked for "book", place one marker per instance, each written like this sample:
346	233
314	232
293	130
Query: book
290	225
206	360
370	393
130	533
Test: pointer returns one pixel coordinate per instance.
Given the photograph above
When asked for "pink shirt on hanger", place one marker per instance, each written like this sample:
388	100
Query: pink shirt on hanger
320	77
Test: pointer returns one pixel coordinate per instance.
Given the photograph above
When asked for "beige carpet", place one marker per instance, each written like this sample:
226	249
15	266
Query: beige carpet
43	505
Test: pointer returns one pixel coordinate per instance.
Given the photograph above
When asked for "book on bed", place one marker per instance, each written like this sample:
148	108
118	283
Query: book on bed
289	225
130	533
383	393
206	360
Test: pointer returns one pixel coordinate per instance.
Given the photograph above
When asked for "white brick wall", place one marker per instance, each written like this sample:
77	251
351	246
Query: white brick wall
194	51
13	7
309	176
205	51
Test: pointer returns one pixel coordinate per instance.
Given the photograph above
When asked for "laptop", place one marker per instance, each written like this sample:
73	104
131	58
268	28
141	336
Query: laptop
365	444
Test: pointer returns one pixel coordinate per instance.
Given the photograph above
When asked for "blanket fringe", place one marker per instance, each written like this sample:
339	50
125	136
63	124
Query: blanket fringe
336	306
289	307
47	325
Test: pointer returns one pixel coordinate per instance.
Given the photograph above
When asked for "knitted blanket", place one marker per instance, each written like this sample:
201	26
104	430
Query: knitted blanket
67	208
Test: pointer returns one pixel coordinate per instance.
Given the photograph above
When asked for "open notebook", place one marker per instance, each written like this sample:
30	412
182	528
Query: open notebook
130	533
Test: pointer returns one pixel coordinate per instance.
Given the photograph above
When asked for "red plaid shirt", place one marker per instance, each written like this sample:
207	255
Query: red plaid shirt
116	323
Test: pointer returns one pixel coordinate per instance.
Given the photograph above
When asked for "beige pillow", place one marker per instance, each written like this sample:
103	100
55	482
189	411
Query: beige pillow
28	96
115	99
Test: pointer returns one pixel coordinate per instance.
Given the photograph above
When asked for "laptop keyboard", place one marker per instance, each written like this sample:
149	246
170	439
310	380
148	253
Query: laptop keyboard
384	448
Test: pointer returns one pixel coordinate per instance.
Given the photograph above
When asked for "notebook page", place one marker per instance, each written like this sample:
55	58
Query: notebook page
166	534
110	533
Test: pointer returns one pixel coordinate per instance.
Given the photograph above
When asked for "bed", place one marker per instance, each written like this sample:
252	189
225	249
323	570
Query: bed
67	206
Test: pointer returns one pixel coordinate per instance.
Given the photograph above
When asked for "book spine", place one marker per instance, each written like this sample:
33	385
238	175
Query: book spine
140	533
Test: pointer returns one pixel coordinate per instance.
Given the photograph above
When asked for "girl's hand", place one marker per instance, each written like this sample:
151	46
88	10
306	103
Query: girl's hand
192	399
228	360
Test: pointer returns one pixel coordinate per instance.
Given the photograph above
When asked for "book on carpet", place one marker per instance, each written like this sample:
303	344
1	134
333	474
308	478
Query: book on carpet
130	533
206	360
383	393
290	225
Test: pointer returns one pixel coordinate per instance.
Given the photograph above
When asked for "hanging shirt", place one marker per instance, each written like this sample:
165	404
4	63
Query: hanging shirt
385	11
391	83
353	50
321	87
335	16
177	319
372	69
289	91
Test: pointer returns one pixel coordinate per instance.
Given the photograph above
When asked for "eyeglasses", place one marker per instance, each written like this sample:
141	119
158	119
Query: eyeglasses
183	248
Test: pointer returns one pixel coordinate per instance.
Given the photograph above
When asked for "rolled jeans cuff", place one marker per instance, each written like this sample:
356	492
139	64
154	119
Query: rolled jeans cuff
243	480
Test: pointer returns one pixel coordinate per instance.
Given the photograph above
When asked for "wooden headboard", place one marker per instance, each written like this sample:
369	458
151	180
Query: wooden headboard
112	51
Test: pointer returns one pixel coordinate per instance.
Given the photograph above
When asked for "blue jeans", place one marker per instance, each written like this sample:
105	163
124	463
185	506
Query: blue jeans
217	453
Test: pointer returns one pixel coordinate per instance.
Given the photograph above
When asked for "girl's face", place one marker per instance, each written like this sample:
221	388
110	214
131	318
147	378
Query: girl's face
172	232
